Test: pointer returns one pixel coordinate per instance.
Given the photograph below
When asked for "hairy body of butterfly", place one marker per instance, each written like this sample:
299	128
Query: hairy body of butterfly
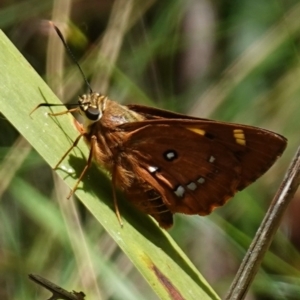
168	163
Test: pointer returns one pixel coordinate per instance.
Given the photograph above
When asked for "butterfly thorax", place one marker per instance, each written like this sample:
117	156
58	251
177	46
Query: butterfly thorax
96	108
102	118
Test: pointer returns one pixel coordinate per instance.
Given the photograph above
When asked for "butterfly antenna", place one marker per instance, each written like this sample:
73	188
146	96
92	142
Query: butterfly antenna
50	105
71	56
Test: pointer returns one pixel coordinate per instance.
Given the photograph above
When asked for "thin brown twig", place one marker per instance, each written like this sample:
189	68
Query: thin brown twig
266	232
57	291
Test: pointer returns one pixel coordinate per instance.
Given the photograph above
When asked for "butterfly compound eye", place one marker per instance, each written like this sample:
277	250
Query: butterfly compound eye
93	114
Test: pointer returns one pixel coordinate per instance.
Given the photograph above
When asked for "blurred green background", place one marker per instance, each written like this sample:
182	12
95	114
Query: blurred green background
234	61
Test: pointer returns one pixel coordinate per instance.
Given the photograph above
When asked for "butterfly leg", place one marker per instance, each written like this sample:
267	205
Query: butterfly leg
108	151
88	164
68	151
115	198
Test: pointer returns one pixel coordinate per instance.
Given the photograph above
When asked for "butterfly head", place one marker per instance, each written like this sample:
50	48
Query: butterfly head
92	107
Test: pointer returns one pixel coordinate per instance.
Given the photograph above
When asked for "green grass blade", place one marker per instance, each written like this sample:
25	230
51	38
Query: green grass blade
152	251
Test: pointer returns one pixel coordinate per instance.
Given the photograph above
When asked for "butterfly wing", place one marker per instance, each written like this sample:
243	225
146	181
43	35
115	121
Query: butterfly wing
257	149
195	165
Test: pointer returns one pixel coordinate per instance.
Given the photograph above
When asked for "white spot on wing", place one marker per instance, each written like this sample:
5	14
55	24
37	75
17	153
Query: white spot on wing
152	169
192	186
170	155
212	159
179	191
201	180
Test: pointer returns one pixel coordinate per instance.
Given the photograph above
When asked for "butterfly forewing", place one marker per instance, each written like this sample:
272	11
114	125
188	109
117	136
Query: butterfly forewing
256	149
190	182
196	165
